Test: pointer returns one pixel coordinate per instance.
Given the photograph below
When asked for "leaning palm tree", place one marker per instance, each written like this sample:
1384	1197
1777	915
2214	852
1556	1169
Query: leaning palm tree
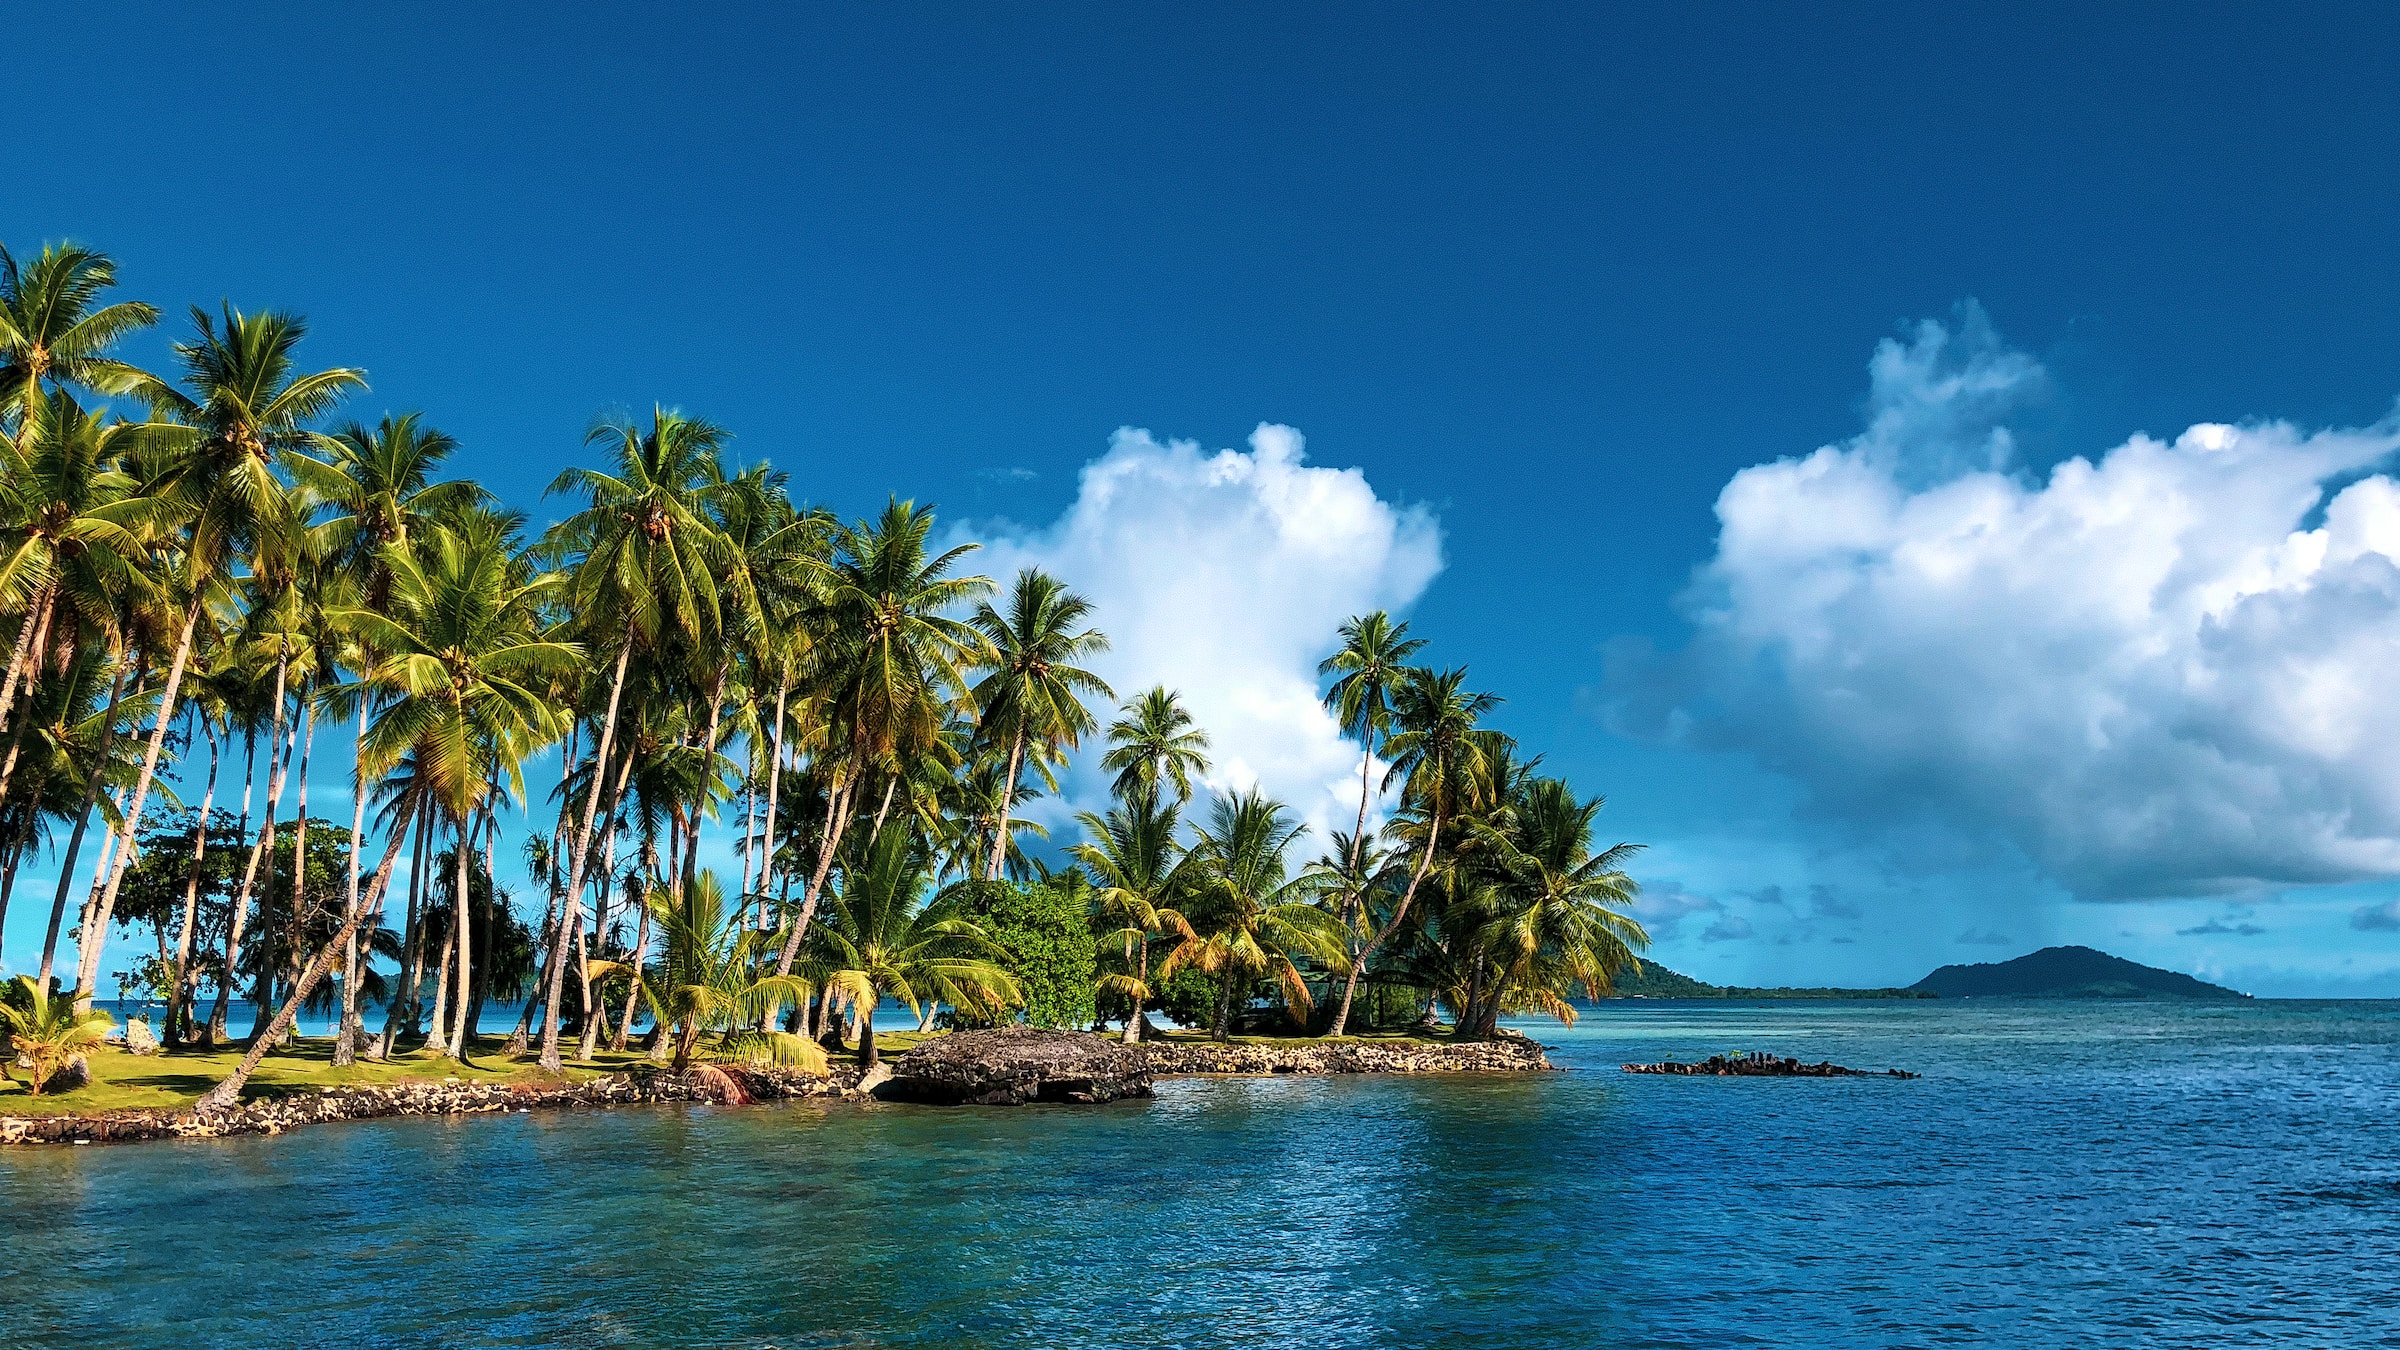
1140	874
707	984
881	939
1033	693
1555	920
46	1031
464	661
645	557
1447	762
1155	743
1250	917
893	663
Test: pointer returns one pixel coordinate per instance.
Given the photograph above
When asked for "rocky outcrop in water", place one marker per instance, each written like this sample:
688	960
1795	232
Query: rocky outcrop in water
273	1115
1012	1066
1762	1066
1507	1053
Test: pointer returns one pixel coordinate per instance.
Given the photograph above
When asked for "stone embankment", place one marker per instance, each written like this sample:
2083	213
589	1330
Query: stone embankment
1013	1066
1509	1053
1762	1066
274	1115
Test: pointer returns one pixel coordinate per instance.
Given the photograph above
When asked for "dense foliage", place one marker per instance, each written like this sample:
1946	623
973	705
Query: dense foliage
211	585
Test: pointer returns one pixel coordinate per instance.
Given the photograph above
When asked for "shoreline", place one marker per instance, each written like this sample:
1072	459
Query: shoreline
732	1085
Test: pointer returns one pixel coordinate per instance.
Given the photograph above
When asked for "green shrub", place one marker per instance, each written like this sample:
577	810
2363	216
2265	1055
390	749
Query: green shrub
1045	931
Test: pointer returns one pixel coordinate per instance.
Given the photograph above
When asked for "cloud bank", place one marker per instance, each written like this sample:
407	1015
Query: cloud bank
2165	671
1224	575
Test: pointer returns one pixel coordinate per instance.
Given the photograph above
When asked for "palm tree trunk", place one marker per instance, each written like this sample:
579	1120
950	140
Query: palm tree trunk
868	1058
229	1092
191	900
766	865
883	810
1133	1023
1224	1006
279	758
213	1034
88	968
345	1039
410	994
91	800
17	850
66	881
838	819
1358	847
1008	792
1341	1020
33	675
572	915
596	1011
295	922
633	988
26	655
463	931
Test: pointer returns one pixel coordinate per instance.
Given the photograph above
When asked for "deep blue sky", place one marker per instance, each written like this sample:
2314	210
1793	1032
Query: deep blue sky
1556	272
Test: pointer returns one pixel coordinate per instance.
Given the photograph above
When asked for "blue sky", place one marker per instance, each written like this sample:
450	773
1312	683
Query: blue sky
1550	279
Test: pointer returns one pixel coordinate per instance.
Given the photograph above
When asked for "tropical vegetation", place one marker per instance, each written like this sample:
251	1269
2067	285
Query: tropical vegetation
217	583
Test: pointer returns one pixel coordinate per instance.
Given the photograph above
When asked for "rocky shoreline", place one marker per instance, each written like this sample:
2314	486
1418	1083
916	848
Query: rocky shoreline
993	1068
1761	1066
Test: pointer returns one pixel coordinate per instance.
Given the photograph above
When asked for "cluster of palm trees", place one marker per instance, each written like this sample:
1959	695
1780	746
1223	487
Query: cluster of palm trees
224	568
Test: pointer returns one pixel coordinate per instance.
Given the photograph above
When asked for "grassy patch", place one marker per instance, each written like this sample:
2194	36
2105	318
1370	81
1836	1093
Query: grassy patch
172	1081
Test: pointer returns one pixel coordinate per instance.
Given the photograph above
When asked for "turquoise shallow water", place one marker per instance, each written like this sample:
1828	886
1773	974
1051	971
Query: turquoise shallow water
2064	1175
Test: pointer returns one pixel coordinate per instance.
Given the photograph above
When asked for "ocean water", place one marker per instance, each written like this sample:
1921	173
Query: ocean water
2063	1175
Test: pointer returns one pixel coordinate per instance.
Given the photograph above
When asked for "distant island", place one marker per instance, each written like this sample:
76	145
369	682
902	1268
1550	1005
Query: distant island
2068	972
1652	980
2053	972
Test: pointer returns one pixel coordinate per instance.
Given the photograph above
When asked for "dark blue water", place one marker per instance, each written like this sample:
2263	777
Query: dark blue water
2064	1175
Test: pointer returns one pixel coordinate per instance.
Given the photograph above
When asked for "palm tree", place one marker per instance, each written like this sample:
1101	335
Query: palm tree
246	406
75	539
1555	919
463	654
1155	743
707	982
49	329
1447	763
47	1031
880	938
1140	874
1032	692
893	663
1368	669
1249	915
646	557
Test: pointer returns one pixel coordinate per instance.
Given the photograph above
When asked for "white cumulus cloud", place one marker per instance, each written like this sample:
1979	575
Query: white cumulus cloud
1225	575
2166	670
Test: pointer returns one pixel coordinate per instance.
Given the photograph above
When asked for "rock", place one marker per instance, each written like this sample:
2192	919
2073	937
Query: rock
1761	1066
875	1077
1506	1053
1011	1066
75	1073
139	1039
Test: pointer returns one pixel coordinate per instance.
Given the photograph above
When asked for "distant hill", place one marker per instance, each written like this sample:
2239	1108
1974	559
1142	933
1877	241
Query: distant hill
2067	972
1656	981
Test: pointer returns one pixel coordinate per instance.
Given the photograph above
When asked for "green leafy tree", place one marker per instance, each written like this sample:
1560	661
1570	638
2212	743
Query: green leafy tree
1044	934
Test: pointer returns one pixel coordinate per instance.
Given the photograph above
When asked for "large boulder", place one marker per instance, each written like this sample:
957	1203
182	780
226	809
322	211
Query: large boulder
75	1073
1012	1066
139	1039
